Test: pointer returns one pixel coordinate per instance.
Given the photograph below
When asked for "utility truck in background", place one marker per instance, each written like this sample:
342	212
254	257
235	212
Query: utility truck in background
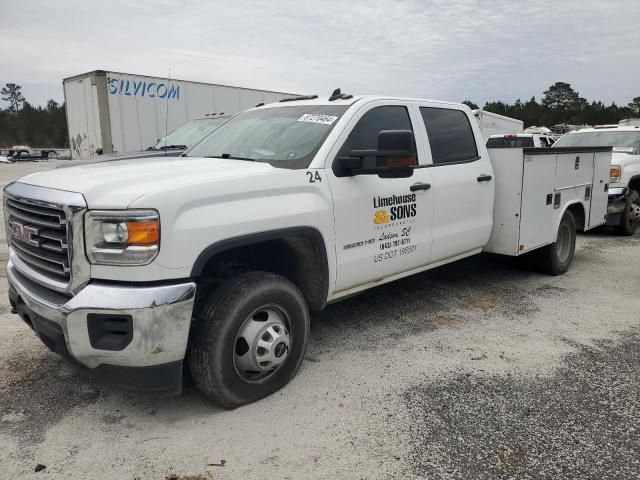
495	124
133	269
624	189
115	112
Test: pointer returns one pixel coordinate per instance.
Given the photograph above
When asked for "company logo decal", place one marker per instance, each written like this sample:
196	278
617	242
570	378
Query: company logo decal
141	88
400	207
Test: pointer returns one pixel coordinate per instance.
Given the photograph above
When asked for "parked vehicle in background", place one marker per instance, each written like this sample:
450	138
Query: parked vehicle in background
624	187
629	122
129	269
173	145
521	140
494	124
113	112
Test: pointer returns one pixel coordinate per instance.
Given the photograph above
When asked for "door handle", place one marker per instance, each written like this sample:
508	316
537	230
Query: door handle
484	178
420	186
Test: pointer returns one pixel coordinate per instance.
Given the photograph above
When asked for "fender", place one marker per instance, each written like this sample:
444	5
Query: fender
566	207
253	238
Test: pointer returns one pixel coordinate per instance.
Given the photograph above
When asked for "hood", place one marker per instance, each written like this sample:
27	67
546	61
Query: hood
112	157
117	184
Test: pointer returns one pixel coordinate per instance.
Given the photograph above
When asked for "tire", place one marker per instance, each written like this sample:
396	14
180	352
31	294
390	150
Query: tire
628	218
556	258
229	329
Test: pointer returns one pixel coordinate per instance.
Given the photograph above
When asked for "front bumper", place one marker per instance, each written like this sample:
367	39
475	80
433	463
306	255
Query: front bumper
148	358
616	204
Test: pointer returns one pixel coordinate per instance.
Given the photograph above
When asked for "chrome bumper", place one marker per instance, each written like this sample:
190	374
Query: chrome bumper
161	317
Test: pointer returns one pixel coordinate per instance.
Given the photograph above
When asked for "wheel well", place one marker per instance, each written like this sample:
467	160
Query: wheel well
298	256
634	184
577	210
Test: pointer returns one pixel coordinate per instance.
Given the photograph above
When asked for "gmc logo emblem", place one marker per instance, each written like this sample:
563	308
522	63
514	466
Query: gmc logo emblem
25	233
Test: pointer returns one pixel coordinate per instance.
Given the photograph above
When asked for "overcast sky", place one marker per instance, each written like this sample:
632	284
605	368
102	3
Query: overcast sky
450	50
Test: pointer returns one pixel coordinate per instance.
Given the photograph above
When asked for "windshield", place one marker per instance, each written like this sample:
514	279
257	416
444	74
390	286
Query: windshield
286	137
622	141
188	134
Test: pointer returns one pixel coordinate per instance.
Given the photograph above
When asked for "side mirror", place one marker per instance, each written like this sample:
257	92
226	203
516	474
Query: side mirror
395	157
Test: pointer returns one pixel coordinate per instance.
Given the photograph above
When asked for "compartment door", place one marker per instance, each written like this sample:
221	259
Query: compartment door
537	222
600	189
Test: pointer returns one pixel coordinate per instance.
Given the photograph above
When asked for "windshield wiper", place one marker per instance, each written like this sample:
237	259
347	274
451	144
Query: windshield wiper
172	147
227	156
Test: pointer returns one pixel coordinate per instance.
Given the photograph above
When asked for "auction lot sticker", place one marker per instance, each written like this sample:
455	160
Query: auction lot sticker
315	118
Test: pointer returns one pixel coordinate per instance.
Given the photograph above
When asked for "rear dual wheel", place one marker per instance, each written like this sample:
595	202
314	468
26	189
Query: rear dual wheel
555	259
249	338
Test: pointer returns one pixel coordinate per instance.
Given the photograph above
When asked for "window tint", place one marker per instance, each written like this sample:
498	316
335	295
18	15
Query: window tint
364	135
450	135
511	142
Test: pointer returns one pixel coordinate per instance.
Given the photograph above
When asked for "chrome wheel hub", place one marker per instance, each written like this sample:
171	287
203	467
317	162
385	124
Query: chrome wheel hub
262	344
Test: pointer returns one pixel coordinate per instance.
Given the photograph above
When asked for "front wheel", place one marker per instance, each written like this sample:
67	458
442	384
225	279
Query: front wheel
556	258
248	339
629	216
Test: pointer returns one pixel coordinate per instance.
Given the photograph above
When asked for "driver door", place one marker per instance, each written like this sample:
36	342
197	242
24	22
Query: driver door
382	225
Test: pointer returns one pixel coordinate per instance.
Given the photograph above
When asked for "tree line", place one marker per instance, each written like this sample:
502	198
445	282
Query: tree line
562	104
23	124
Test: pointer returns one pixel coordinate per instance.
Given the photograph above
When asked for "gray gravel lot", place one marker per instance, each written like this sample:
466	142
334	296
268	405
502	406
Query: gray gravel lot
473	370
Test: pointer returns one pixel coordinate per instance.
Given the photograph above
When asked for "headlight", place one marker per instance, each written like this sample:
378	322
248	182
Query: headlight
125	237
615	173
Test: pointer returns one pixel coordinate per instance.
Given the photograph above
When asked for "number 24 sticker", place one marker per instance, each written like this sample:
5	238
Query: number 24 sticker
314	177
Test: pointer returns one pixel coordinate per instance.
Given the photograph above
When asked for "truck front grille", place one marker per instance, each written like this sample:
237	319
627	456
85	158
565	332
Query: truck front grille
39	237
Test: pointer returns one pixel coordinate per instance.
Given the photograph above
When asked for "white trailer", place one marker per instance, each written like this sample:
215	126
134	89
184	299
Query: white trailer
494	124
113	112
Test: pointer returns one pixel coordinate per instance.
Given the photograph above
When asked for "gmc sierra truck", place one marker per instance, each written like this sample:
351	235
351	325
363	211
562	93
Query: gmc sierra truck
624	194
134	270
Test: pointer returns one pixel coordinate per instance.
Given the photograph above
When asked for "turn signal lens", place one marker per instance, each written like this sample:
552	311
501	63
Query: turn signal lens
615	174
145	232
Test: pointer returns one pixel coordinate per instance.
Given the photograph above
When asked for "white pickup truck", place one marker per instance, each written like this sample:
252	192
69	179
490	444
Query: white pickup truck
134	269
624	194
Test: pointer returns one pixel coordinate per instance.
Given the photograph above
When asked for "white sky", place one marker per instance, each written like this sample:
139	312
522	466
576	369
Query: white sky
441	49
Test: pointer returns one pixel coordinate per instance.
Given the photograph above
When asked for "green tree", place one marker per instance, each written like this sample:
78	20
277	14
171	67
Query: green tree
560	96
471	105
12	93
635	105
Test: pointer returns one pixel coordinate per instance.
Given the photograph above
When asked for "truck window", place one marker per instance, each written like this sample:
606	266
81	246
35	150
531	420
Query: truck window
364	135
511	141
450	135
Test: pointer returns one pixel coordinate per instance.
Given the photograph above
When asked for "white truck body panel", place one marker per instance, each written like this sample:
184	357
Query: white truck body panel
533	190
494	124
121	112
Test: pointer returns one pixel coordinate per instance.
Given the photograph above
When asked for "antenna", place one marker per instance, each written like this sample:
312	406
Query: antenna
166	118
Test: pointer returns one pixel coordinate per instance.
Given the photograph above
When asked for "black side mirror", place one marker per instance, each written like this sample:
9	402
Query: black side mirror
395	157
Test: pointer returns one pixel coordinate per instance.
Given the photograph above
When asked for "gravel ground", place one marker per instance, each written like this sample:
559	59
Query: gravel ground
473	370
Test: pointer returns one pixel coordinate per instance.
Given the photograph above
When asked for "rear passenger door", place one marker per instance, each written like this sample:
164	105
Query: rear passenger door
463	184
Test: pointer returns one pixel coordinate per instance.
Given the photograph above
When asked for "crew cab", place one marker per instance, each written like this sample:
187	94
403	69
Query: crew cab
624	189
214	259
520	140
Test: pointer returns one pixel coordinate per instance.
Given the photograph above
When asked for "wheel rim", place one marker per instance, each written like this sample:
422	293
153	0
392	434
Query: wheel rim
563	244
262	344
